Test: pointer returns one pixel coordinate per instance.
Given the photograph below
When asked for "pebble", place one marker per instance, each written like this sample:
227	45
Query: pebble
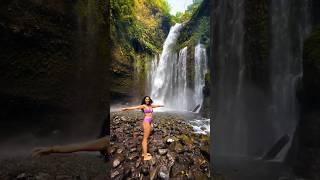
162	151
172	144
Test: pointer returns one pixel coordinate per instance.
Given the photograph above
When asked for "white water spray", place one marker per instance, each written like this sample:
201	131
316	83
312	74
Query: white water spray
168	76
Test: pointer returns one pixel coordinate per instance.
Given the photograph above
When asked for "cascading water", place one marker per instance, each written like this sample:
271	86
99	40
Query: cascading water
230	125
286	65
250	120
201	69
162	83
167	77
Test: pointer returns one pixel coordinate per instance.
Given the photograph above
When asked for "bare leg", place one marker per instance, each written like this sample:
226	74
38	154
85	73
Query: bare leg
146	133
95	145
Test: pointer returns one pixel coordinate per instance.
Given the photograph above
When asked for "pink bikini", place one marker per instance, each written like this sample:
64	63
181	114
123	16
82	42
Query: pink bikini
148	119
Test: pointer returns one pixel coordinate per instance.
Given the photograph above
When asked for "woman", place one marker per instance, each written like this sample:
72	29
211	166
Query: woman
147	108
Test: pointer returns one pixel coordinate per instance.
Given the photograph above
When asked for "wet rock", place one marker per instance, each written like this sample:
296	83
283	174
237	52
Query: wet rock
186	140
133	156
43	176
171	159
169	140
135	173
163	173
153	161
117	160
152	149
63	177
154	172
22	176
120	150
138	162
173	146
145	169
120	169
178	148
204	166
179	169
204	149
112	150
162	151
133	149
114	173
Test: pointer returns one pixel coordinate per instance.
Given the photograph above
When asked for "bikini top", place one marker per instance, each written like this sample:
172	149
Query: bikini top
148	110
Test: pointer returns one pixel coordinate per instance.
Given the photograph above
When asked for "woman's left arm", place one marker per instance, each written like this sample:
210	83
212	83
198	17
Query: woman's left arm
157	105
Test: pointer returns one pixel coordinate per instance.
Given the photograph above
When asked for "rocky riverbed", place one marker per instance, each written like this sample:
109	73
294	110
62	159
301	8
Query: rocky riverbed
54	167
177	151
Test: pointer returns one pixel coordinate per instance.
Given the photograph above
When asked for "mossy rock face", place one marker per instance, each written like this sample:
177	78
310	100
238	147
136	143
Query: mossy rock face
257	40
311	67
136	38
197	28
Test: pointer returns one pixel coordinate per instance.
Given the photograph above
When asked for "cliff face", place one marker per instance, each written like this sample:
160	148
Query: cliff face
137	35
47	66
307	137
257	53
196	30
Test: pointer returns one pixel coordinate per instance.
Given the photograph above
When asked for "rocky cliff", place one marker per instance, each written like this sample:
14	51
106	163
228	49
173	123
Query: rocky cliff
53	64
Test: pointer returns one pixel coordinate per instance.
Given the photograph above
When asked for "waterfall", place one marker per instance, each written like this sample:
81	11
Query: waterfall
250	119
201	61
230	124
167	77
286	64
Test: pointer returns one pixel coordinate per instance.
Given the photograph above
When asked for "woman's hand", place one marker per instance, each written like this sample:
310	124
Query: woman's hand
124	109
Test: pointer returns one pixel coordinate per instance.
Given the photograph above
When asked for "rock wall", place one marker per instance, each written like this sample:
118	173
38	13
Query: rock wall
307	146
134	43
47	76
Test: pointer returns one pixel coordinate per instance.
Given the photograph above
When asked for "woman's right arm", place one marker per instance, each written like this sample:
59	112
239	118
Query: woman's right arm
95	145
132	108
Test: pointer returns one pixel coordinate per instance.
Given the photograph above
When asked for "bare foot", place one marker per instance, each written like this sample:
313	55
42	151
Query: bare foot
147	157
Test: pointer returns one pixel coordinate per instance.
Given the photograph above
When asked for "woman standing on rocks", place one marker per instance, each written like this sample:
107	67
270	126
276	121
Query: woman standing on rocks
147	108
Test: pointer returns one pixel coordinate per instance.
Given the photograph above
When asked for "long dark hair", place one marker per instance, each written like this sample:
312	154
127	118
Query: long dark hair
144	101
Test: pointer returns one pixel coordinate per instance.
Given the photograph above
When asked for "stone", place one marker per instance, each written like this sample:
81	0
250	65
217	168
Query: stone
22	176
114	173
169	140
163	173
133	156
117	160
43	176
120	150
178	148
63	177
162	151
133	149
145	169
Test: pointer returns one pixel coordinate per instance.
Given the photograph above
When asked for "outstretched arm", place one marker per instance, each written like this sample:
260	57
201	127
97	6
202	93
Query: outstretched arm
156	105
132	108
95	145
